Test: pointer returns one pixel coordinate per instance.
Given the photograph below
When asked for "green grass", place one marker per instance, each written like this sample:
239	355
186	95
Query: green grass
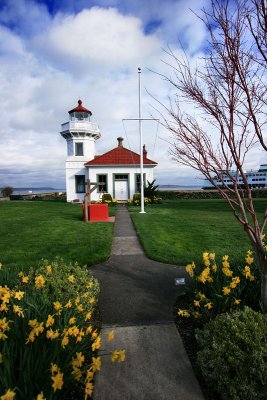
179	231
31	231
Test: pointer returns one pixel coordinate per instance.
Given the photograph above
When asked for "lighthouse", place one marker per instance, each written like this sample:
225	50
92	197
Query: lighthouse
80	134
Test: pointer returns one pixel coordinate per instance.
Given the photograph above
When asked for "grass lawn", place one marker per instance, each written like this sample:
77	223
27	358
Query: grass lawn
32	230
179	231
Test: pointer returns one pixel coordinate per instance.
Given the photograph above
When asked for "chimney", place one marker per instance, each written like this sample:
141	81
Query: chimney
120	140
144	152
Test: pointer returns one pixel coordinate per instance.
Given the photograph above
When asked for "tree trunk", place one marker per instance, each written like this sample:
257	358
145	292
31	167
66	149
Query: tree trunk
262	265
264	289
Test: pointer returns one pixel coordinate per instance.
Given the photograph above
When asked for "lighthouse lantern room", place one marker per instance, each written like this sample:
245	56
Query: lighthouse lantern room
80	134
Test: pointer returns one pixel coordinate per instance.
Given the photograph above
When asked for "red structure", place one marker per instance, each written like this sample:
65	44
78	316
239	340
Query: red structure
96	213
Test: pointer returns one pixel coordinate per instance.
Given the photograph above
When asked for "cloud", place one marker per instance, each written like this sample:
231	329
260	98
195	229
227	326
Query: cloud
96	38
51	55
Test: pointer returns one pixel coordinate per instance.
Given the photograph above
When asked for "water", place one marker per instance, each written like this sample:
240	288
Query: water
30	191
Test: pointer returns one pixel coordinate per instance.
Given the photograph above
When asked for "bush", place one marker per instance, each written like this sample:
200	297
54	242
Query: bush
7	191
204	194
136	201
48	339
106	197
233	352
217	288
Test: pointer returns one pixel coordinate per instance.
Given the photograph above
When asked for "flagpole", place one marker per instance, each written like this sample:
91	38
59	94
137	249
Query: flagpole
141	148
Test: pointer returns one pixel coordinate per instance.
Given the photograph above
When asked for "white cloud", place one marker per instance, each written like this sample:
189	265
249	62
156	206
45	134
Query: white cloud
96	38
48	62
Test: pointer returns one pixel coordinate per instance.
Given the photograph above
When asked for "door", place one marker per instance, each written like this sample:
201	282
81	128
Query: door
121	190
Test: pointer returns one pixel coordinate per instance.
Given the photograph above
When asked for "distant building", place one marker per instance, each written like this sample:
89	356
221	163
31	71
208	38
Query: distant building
255	179
117	171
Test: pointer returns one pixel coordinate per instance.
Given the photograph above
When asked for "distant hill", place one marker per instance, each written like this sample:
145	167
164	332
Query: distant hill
36	188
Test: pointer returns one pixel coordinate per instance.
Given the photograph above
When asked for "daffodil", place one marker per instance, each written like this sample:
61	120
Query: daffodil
18	311
88	316
208	306
96	365
50	321
71	278
19	295
226	291
88	390
64	341
57	381
72	320
49	269
25	279
57	305
110	336
68	304
97	343
196	303
9	395
40	396
39	281
183	313
189	270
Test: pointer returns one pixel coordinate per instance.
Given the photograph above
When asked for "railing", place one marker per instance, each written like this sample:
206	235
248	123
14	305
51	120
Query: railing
79	126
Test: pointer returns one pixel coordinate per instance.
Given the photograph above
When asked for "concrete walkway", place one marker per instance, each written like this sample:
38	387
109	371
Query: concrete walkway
136	300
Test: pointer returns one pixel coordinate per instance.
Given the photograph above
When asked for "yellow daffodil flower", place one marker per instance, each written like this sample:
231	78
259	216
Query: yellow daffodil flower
40	396
9	395
110	336
39	281
71	278
96	364
226	291
57	381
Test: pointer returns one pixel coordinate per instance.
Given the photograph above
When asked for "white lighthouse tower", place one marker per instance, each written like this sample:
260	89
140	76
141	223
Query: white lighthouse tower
80	134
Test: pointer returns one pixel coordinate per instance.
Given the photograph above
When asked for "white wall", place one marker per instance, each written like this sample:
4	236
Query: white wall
72	169
94	171
88	148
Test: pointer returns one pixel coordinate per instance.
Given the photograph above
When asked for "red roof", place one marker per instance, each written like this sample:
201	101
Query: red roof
80	108
119	156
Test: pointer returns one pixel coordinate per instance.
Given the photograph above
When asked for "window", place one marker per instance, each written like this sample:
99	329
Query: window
121	177
80	183
138	182
102	183
78	149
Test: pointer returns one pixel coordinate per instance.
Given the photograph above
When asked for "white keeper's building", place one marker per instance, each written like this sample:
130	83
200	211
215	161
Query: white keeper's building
117	171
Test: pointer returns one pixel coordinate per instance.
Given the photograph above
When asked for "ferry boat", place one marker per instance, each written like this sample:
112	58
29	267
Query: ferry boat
256	179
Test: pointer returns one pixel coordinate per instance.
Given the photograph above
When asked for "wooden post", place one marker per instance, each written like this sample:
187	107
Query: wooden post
87	197
87	194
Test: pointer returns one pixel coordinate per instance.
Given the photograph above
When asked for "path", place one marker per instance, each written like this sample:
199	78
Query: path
136	299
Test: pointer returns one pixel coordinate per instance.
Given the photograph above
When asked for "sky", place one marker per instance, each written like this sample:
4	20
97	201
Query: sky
54	52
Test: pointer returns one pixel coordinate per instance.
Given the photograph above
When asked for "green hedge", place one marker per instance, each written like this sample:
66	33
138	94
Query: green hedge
232	355
202	194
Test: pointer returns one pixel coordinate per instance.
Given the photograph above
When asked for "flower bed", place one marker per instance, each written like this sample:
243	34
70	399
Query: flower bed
48	337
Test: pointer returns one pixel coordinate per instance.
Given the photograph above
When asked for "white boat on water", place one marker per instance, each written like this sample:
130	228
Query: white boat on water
255	179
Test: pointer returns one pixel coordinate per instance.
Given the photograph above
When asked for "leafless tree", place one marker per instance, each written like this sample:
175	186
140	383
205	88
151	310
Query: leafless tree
229	93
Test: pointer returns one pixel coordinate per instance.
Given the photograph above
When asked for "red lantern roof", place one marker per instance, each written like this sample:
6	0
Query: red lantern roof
80	108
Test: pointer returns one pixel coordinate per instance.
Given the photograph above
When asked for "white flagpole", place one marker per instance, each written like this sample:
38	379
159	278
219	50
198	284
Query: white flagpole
141	148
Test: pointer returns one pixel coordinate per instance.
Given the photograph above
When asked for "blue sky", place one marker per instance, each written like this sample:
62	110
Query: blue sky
54	52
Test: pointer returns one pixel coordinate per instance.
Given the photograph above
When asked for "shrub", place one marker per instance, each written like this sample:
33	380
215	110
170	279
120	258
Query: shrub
233	352
136	201
48	339
7	191
106	197
204	194
152	193
217	288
